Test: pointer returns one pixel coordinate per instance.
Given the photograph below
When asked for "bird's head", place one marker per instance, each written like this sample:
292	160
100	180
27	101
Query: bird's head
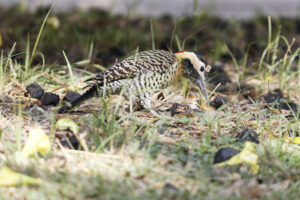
193	67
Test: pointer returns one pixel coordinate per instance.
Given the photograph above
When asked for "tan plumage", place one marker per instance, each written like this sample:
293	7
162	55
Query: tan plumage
154	60
140	75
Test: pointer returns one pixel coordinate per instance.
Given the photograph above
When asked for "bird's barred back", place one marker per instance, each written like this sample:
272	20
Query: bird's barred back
154	60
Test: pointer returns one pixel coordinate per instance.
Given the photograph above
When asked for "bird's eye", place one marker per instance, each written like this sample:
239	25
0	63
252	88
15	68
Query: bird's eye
202	69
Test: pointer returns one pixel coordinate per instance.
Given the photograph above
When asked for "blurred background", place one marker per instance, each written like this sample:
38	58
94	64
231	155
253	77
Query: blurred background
176	8
218	29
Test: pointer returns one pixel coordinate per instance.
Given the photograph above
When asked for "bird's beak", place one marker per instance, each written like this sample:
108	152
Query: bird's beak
201	85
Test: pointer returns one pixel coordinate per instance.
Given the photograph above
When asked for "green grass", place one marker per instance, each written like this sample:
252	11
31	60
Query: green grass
134	155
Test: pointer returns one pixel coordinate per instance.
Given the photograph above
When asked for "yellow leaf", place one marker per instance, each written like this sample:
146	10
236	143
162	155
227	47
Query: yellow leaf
11	178
247	156
37	142
66	123
295	140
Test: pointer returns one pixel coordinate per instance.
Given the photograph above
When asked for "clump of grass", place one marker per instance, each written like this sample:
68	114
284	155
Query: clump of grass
273	60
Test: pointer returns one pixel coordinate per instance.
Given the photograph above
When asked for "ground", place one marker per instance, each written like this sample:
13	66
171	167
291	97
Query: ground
116	154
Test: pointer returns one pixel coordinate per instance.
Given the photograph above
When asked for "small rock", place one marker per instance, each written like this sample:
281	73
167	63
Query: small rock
35	91
218	67
68	140
293	134
169	186
249	92
276	97
273	96
218	101
288	106
224	154
221	78
248	135
174	109
71	96
50	99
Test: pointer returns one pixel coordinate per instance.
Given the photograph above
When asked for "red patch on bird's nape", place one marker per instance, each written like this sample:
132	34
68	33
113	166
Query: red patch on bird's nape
181	51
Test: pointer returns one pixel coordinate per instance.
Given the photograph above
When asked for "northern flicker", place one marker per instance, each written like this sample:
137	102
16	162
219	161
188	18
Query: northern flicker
143	74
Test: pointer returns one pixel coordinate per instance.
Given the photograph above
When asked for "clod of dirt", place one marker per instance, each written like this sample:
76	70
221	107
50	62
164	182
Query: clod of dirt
293	134
249	92
174	109
224	154
35	91
218	67
248	135
288	106
273	96
222	78
169	186
276	96
71	95
217	76
50	99
218	101
68	140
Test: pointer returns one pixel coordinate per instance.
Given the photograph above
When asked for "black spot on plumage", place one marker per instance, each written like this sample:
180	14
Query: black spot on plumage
189	70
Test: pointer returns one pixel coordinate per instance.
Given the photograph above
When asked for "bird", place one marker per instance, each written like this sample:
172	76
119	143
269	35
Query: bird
143	74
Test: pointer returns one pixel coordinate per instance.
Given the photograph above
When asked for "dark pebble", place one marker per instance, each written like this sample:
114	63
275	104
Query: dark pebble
273	96
224	154
69	140
217	68
35	91
169	186
248	135
71	96
50	99
276	97
288	106
174	107
248	92
293	133
63	109
218	101
221	78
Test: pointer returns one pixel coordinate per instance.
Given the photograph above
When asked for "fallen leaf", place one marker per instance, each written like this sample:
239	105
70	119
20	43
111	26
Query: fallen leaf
37	142
67	123
11	178
295	140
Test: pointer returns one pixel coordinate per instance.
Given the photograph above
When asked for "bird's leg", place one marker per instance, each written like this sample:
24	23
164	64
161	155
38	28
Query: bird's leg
146	103
134	101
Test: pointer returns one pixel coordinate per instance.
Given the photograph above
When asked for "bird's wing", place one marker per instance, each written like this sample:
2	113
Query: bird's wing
153	60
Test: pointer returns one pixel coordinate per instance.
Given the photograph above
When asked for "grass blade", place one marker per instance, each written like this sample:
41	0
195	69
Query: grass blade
39	36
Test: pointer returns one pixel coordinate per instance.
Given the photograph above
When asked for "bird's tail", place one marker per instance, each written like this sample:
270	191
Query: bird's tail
90	93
